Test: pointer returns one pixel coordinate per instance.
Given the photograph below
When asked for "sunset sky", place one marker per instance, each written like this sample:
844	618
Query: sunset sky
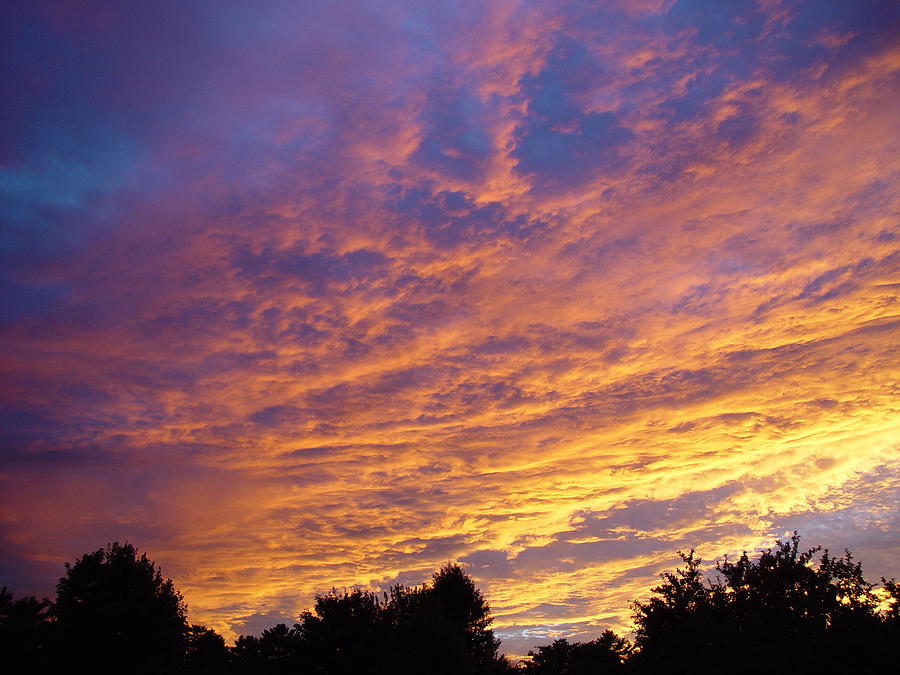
323	293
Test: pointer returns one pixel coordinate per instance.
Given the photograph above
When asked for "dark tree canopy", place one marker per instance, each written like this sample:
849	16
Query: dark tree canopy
431	629
278	650
814	614
794	610
24	629
205	652
459	619
114	607
346	633
606	654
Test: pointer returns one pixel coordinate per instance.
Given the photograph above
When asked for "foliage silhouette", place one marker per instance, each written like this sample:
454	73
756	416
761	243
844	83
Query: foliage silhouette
278	650
114	607
606	654
458	619
205	652
432	629
24	631
805	611
345	633
814	616
892	591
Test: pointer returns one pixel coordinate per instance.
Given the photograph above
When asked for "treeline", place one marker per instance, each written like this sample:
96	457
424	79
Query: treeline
788	610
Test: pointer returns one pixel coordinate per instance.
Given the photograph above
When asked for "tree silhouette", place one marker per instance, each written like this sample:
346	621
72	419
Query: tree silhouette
345	633
815	615
824	614
891	616
606	654
115	613
457	619
278	650
205	652
805	611
433	629
23	632
683	622
892	595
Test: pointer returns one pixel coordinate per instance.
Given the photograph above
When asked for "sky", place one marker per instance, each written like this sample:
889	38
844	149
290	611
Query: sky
301	295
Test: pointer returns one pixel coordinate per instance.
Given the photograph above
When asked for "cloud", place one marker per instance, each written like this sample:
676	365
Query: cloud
316	295
560	144
455	142
319	270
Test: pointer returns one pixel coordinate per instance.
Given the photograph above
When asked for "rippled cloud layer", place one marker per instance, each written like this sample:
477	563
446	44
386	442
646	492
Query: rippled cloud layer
327	293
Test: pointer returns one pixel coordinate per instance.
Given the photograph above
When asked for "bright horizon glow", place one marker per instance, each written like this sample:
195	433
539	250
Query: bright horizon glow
304	295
